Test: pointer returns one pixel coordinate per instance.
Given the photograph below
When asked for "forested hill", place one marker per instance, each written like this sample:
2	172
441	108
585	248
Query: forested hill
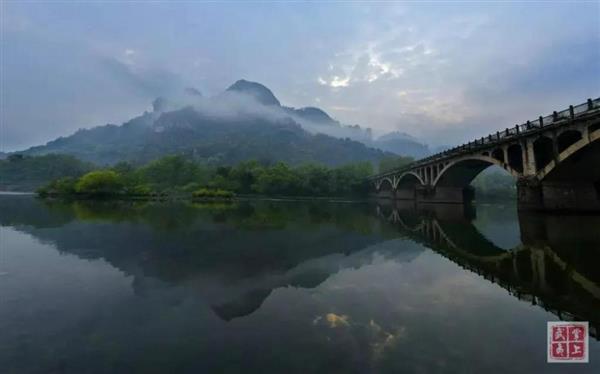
244	122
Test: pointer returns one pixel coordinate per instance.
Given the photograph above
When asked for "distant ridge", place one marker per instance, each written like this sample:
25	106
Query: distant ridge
256	90
245	122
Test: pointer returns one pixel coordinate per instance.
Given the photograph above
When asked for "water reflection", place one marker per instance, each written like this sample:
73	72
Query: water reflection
554	267
231	254
288	287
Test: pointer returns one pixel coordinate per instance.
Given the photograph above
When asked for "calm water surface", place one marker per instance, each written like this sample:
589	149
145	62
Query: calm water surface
282	287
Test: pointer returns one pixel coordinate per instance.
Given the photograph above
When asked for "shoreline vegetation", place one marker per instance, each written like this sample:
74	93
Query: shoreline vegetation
177	178
174	177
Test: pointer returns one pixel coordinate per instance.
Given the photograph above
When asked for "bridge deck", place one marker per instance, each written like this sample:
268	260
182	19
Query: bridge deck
556	119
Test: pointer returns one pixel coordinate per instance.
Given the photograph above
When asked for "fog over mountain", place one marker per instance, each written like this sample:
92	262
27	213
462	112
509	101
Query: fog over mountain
446	72
246	121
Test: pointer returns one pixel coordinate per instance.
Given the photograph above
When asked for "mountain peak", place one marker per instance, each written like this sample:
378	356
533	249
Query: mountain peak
314	114
192	91
259	92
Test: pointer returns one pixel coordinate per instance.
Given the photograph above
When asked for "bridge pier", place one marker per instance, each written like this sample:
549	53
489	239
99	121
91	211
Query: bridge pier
556	196
439	194
529	194
577	196
405	194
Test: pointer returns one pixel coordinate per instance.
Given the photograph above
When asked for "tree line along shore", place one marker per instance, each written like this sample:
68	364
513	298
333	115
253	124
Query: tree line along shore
56	175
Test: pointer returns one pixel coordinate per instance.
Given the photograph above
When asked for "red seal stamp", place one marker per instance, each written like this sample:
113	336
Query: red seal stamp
568	342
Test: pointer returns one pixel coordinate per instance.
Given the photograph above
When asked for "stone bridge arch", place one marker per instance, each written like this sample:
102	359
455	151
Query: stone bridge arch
409	179
460	172
588	167
406	185
572	180
385	187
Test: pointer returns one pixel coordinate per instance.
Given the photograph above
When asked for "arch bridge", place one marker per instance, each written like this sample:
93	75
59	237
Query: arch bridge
555	160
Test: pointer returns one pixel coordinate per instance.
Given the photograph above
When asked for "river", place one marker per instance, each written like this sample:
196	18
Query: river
290	287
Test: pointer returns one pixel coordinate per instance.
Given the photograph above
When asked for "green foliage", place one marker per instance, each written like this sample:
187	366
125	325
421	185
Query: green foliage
279	179
494	184
58	187
174	175
100	183
141	190
393	162
171	171
27	173
245	174
210	193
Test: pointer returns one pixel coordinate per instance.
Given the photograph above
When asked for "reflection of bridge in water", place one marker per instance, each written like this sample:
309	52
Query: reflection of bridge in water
552	268
554	159
233	262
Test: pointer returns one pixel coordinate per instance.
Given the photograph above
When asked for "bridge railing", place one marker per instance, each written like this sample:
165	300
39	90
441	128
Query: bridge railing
529	126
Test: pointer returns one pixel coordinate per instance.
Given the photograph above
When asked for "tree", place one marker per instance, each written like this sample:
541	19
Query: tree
170	171
100	183
26	173
58	187
352	178
245	174
278	180
316	180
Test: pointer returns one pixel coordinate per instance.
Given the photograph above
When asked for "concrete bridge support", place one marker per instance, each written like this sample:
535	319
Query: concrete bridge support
439	194
560	196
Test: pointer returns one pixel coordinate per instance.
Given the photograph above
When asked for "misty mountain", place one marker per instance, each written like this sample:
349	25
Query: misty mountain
246	121
316	120
255	90
402	144
315	115
440	148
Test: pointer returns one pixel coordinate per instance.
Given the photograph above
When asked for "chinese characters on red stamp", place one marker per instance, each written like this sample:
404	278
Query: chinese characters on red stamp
568	342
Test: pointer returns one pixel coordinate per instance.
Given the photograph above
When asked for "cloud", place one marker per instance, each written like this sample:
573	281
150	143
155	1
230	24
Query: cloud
149	82
333	320
450	75
443	72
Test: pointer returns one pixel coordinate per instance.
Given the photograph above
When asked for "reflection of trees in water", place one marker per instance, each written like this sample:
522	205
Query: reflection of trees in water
244	249
555	266
247	249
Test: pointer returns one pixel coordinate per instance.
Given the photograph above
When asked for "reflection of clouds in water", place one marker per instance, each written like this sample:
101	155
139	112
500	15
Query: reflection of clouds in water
375	303
382	339
375	337
332	320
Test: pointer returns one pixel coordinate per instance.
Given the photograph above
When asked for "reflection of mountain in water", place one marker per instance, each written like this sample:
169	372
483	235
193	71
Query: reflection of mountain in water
310	274
233	256
554	267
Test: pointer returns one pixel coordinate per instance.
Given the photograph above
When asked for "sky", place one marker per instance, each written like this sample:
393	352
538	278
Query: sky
444	72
